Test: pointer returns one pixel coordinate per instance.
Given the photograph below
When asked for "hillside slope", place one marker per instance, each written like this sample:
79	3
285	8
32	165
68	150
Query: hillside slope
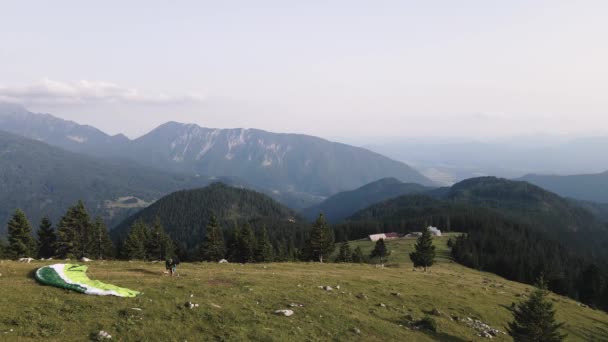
590	187
237	303
185	214
342	205
45	180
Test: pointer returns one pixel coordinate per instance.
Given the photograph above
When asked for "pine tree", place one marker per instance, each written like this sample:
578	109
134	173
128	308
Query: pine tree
534	319
321	242
358	255
345	254
2	249
134	247
233	246
246	245
213	248
99	244
20	241
379	251
72	232
424	256
47	239
263	248
159	245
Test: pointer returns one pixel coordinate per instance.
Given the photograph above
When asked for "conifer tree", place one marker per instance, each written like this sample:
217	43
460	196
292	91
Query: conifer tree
263	248
345	254
213	248
159	245
534	319
379	251
20	241
246	245
321	242
134	247
424	256
72	232
47	239
100	245
233	244
2	249
358	255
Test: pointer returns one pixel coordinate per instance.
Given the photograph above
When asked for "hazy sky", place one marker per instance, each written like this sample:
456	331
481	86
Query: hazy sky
330	68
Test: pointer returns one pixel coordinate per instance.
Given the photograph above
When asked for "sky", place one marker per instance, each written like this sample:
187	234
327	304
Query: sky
350	69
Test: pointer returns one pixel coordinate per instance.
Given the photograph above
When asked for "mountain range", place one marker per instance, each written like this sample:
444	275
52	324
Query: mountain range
309	167
44	180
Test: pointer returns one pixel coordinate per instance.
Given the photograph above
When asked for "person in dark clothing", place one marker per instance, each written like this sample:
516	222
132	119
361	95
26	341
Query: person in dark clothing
171	266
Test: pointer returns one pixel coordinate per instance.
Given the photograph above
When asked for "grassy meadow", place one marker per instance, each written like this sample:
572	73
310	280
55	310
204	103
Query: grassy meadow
236	302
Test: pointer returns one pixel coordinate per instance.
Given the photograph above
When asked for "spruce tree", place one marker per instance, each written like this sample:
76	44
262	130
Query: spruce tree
72	232
424	256
534	319
345	254
321	242
47	239
233	244
100	245
213	248
134	247
263	248
20	241
358	255
159	245
246	245
2	249
379	251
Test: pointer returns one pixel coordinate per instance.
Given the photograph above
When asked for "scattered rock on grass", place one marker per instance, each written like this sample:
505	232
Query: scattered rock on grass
296	305
382	305
191	305
102	335
285	313
396	294
326	288
361	296
223	261
356	331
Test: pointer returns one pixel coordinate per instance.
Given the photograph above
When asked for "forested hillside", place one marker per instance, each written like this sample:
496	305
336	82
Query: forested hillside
341	205
186	214
44	181
514	229
589	187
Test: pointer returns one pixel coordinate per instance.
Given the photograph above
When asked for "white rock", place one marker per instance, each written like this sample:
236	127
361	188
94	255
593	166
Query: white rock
382	305
286	313
85	259
223	261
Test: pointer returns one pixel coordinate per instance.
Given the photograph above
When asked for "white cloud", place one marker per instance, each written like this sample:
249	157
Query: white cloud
85	92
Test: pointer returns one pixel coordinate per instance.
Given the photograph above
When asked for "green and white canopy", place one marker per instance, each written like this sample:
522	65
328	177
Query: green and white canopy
73	277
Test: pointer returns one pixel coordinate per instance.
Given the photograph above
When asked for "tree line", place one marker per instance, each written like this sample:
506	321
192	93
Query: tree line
76	236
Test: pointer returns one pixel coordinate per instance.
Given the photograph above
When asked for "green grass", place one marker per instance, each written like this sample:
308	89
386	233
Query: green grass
247	296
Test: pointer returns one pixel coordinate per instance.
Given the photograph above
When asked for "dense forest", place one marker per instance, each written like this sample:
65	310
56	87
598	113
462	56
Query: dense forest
185	216
493	242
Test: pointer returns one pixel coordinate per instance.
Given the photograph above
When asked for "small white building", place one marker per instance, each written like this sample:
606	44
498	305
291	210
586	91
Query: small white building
434	231
376	237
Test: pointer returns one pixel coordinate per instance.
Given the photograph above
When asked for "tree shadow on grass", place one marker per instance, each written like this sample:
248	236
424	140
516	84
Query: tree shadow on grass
143	270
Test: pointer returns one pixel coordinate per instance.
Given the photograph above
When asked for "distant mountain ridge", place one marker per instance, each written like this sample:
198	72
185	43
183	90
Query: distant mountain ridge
44	181
588	187
293	163
342	205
